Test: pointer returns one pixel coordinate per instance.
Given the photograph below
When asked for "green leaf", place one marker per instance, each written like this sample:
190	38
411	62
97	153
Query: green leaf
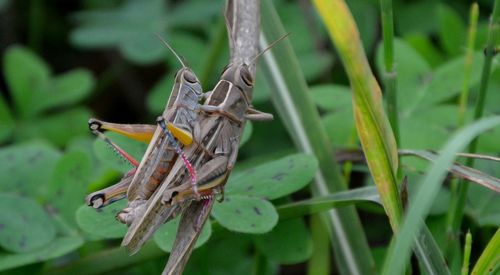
26	75
111	158
65	90
69	184
159	94
58	128
101	223
165	236
194	13
324	203
451	30
275	179
429	186
288	243
444	84
24	225
408	17
191	48
365	14
425	47
312	62
142	48
6	121
482	203
413	72
227	256
58	247
27	168
330	97
130	27
340	127
247	133
245	214
488	261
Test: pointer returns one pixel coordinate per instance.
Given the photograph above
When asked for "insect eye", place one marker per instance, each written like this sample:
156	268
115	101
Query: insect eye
189	77
246	76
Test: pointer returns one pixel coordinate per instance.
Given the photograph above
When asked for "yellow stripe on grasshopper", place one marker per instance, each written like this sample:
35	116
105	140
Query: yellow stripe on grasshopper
181	135
145	136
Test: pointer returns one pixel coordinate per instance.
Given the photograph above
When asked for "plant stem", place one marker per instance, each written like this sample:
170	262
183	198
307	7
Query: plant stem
452	245
458	203
319	264
390	74
467	249
471	39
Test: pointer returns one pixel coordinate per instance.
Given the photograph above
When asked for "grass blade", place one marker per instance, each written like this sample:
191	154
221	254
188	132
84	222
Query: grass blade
374	130
291	97
324	203
489	261
400	247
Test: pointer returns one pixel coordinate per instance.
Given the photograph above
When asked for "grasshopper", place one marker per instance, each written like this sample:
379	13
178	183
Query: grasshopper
214	153
142	181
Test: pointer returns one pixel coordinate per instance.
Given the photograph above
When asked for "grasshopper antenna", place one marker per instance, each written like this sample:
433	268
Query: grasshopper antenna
171	49
268	48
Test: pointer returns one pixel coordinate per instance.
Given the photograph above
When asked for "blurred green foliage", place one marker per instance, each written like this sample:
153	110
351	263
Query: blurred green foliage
49	161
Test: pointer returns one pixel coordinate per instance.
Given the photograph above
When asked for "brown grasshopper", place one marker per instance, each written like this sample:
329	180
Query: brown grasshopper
214	153
141	182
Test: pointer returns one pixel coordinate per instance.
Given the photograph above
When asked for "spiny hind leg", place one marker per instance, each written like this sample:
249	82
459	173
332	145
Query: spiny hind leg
210	176
139	132
115	192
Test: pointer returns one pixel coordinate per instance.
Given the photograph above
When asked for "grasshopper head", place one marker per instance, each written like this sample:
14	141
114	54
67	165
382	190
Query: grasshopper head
234	90
185	76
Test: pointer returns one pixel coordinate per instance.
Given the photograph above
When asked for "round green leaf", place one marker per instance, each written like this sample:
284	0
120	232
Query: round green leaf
6	121
58	128
158	96
26	74
143	48
276	178
102	223
26	168
69	184
332	97
340	127
288	242
107	155
246	214
24	225
66	89
58	247
166	234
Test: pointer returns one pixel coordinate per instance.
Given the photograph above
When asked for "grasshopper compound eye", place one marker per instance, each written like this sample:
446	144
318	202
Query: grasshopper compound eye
190	77
246	76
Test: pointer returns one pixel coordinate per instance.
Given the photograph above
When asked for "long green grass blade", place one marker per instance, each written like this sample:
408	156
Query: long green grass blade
373	127
489	261
400	247
291	98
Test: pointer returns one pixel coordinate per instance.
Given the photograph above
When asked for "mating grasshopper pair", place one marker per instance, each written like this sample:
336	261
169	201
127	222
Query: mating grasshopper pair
161	186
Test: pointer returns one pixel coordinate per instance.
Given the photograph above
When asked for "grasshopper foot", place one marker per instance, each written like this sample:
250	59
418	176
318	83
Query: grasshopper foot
95	200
